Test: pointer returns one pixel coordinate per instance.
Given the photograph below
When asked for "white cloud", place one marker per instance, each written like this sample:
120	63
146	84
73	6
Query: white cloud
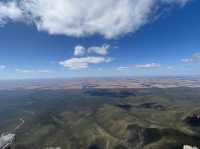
122	68
83	62
9	11
181	2
82	59
152	65
110	18
2	67
195	58
187	60
100	50
79	50
103	50
31	71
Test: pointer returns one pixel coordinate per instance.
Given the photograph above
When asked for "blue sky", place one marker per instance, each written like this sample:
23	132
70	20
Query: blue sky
158	38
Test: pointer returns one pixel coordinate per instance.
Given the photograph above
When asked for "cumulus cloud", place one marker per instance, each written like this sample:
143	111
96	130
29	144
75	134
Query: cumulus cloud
10	11
103	50
99	50
83	62
110	18
79	50
83	57
195	58
152	65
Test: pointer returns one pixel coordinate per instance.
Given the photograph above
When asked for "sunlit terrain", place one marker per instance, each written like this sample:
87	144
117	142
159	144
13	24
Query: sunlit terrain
98	118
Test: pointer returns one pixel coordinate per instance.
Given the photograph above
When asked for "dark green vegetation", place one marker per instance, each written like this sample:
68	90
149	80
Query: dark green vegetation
102	119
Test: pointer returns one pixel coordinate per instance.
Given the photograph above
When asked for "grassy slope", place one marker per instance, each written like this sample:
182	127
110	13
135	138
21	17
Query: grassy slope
74	119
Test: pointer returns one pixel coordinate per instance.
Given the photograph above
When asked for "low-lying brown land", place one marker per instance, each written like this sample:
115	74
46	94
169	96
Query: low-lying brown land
103	83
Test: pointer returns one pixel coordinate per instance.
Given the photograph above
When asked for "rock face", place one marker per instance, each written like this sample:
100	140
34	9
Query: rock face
7	141
139	136
189	147
193	120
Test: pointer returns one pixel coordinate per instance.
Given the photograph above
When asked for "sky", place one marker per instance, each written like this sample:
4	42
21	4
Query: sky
65	38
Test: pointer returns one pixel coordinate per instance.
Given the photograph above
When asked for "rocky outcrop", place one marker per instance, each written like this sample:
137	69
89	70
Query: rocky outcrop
138	136
7	141
193	120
